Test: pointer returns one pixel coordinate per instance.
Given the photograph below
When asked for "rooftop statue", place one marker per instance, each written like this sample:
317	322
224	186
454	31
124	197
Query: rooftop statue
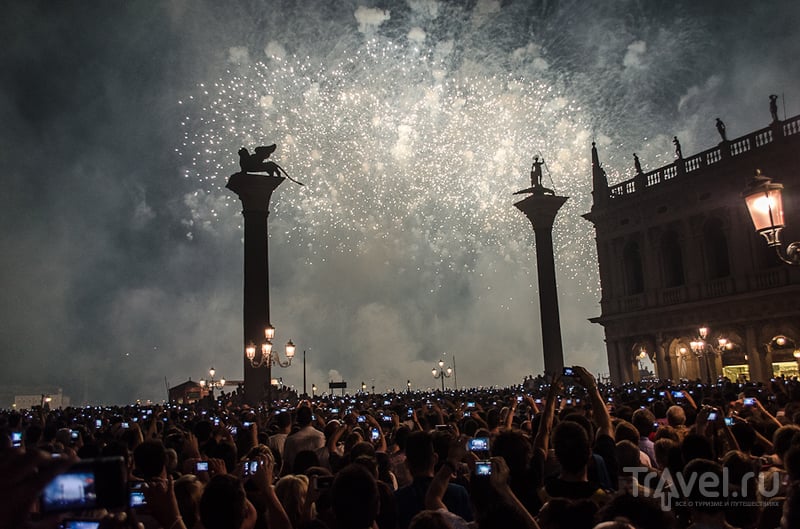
637	164
773	107
721	130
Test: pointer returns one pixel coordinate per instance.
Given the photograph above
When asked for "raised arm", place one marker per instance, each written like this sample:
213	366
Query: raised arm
499	482
263	478
456	452
546	424
599	410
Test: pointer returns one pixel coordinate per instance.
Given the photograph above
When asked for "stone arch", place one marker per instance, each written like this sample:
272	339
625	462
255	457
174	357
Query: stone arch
684	362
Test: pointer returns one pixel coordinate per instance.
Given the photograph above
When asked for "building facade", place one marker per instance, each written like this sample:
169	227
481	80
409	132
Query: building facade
689	289
53	400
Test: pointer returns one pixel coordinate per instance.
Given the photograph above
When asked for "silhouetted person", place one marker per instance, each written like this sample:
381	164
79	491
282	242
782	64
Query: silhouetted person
721	130
637	163
773	107
678	152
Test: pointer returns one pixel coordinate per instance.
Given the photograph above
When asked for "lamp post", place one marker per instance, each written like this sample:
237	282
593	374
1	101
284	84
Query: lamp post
408	386
702	348
442	373
765	204
313	390
211	384
269	357
641	356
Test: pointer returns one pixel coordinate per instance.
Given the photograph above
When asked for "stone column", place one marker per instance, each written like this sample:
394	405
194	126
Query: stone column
541	209
255	192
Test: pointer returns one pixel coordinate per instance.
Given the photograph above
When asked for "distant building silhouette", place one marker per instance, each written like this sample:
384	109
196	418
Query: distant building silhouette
677	251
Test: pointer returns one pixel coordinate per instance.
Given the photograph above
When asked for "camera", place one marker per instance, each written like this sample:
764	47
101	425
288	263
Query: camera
126	425
483	468
88	484
712	416
375	434
478	444
247	424
386	417
568	372
519	398
410	413
728	421
74	435
750	401
334	410
362	418
75	523
201	466
677	394
136	495
250	467
16	439
471	404
98	423
322	482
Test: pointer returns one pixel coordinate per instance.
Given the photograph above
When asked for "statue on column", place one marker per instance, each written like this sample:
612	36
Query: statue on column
678	152
721	130
536	180
536	172
256	162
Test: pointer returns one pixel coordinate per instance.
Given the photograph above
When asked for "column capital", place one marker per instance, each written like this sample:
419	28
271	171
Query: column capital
254	190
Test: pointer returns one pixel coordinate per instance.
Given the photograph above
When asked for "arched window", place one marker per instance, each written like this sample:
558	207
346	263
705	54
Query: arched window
672	260
718	263
632	259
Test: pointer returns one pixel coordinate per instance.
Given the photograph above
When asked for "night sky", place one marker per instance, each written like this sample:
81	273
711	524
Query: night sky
411	124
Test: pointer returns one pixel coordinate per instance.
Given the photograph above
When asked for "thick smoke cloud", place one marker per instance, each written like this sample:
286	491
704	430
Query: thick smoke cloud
122	257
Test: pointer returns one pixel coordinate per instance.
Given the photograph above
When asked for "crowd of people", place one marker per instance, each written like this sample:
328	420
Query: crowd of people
564	452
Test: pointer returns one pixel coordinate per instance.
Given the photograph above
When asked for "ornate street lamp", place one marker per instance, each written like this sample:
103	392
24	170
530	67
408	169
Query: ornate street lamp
442	373
765	204
212	383
268	356
701	348
641	356
313	390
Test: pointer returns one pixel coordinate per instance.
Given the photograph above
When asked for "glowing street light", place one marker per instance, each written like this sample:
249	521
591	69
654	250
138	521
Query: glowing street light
269	357
212	383
442	373
765	204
